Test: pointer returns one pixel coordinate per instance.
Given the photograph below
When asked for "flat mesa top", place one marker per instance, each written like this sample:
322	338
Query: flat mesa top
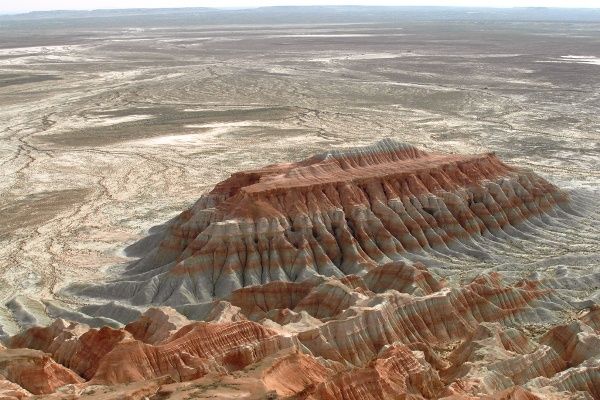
384	160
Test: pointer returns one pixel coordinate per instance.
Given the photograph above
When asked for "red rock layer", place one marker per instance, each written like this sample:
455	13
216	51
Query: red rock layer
304	276
442	317
337	214
292	374
406	278
157	325
34	371
190	353
78	349
396	373
256	301
388	345
11	391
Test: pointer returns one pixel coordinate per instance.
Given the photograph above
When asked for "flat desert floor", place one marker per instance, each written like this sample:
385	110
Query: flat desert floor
112	125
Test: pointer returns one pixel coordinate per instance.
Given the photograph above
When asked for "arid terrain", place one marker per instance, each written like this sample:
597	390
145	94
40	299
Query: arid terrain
113	123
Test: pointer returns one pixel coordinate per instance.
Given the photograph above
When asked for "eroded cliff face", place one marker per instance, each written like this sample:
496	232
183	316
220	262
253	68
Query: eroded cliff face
324	279
336	214
466	343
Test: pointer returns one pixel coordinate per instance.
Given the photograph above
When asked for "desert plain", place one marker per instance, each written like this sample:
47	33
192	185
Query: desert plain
112	123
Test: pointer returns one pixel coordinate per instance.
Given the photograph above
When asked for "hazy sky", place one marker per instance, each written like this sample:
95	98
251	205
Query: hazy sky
30	5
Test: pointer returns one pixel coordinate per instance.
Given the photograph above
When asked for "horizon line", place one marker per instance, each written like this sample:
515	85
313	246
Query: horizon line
25	12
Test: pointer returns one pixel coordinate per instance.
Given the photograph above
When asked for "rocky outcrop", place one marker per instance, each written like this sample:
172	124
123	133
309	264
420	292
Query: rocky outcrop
452	344
332	278
75	346
413	279
11	391
157	325
33	371
336	214
191	352
396	373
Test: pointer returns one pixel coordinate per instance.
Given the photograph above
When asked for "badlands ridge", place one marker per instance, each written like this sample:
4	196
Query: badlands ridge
324	279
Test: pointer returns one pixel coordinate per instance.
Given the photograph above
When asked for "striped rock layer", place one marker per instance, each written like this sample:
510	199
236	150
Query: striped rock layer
332	278
464	343
335	214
